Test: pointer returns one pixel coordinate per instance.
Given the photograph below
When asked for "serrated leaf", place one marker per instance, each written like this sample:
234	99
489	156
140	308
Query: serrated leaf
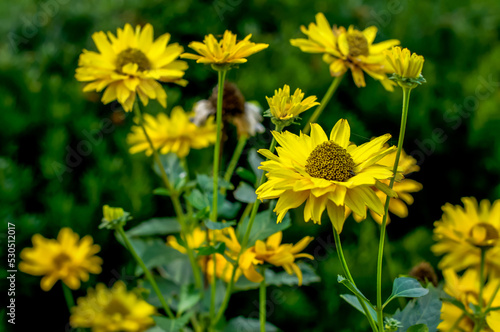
352	288
406	287
418	328
155	226
423	310
245	174
264	226
209	250
354	301
245	193
243	324
172	325
217	225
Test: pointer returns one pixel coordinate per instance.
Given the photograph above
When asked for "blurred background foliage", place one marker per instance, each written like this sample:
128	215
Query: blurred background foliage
46	184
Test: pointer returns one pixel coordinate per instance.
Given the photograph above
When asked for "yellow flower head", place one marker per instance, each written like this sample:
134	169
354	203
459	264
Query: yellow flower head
404	64
466	290
131	63
347	49
277	254
225	52
325	172
176	134
110	310
462	232
404	188
68	259
193	240
284	106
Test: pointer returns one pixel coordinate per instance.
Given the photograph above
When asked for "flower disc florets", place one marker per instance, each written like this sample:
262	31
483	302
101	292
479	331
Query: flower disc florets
330	161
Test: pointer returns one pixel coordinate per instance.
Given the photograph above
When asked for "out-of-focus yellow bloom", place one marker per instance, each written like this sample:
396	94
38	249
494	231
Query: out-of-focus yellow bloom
466	290
462	232
69	259
112	310
176	134
403	188
131	63
284	106
325	172
112	213
284	255
224	52
193	240
347	49
403	63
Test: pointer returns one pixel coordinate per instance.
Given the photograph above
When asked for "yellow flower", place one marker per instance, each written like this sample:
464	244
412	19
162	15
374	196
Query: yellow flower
194	240
466	290
131	63
284	106
224	52
277	254
177	134
403	63
347	49
68	259
109	310
404	188
326	173
462	232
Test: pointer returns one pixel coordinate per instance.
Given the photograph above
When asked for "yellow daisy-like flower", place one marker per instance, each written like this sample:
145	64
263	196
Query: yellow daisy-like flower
69	259
347	49
326	173
131	63
404	188
176	134
284	255
466	290
112	310
403	63
224	52
284	106
462	232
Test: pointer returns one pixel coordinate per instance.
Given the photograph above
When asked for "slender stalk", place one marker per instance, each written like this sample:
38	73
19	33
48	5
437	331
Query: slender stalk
148	274
481	277
326	98
244	242
213	214
242	140
490	303
404	116
455	325
68	295
345	268
174	195
262	301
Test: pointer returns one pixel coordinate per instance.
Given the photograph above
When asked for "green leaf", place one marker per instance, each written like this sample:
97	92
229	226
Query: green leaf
245	193
264	226
218	225
406	287
161	192
245	174
172	325
352	288
254	159
155	253
198	200
155	226
354	301
173	168
423	310
418	328
188	298
273	278
167	288
209	250
206	183
243	324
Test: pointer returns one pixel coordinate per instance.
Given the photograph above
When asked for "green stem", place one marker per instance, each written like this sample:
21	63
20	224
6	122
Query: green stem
262	300
174	195
244	242
234	159
345	268
490	303
213	214
326	98
148	274
68	295
404	116
481	277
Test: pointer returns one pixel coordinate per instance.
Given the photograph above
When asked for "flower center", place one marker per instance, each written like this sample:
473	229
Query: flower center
330	161
132	55
358	45
484	235
61	260
116	307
